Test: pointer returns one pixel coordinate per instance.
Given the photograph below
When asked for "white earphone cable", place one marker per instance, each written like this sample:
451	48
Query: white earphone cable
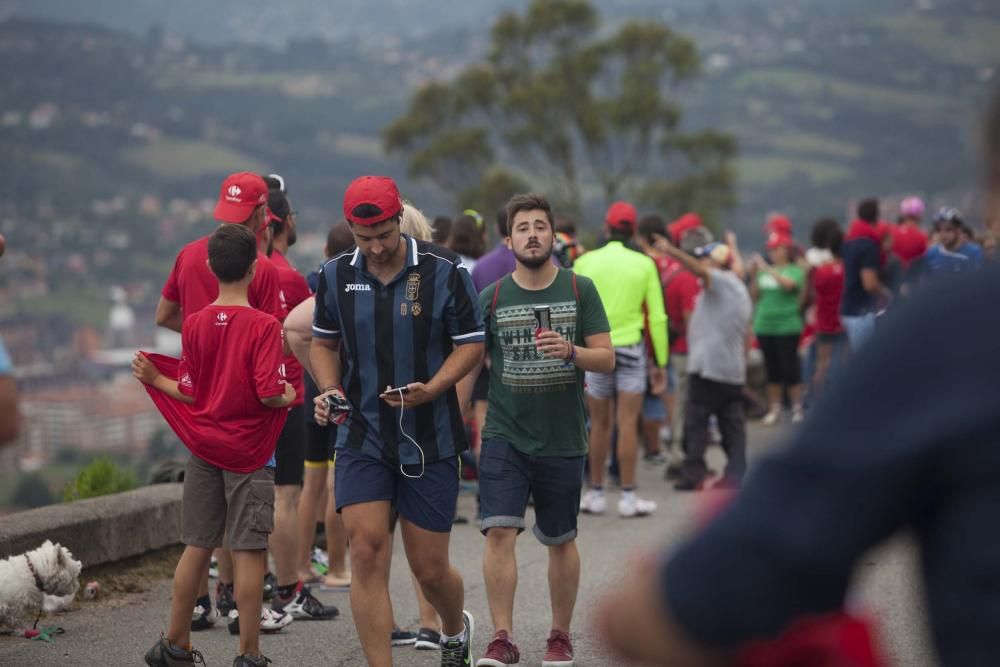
402	407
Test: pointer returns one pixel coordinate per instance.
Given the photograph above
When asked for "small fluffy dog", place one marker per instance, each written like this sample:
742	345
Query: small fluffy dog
26	579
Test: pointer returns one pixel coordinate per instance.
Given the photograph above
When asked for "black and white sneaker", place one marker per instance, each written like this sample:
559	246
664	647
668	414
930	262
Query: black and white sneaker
428	640
224	598
403	637
304	606
203	619
458	652
244	660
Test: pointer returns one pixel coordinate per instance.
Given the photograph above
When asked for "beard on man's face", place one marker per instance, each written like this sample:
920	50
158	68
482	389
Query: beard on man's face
534	261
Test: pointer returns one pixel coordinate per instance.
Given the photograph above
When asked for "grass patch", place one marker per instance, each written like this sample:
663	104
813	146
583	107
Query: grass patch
175	158
762	170
804	84
798	142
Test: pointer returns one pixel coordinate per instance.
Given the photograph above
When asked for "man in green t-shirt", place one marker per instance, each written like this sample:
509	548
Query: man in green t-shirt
535	439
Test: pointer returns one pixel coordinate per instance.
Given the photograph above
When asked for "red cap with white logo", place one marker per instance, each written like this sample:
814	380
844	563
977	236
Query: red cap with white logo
370	200
240	194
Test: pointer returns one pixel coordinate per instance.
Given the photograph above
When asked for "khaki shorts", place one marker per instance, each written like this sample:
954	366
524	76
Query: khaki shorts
218	503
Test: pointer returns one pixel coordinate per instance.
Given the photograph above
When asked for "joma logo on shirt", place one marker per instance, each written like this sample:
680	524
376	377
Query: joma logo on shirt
357	287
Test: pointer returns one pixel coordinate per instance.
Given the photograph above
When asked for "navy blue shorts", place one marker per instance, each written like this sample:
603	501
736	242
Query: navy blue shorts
507	476
428	502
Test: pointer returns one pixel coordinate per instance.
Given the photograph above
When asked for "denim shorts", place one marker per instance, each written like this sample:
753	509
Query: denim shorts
428	502
629	375
506	478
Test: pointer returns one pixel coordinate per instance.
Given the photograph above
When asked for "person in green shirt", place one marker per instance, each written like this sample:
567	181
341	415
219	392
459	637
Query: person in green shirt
630	289
535	438
776	288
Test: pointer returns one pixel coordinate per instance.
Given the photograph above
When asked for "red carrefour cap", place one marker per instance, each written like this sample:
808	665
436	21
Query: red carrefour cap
370	200
240	194
778	240
621	215
682	224
779	223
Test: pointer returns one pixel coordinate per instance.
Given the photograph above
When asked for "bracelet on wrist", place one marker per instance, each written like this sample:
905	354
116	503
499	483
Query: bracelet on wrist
572	354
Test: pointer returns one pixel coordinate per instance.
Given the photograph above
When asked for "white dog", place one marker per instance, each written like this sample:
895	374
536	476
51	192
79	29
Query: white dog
26	579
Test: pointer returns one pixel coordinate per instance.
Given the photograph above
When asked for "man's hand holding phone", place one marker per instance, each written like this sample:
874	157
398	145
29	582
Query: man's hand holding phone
413	394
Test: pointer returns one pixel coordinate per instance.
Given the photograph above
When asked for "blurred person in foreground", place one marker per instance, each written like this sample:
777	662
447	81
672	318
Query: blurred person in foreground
10	416
918	453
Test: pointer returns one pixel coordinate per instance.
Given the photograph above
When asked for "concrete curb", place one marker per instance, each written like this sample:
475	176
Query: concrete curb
100	530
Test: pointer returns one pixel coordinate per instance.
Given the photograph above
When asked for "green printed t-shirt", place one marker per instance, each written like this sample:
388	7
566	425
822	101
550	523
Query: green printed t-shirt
777	312
536	403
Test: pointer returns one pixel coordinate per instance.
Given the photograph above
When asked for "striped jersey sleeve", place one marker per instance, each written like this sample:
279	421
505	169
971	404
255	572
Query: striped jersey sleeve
464	316
326	318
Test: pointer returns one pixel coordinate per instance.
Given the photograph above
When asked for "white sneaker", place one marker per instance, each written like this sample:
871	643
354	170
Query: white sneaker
797	414
270	620
632	505
771	418
593	502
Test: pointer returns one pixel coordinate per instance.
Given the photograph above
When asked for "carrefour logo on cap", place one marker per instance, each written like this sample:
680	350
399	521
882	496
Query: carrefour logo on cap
357	287
234	191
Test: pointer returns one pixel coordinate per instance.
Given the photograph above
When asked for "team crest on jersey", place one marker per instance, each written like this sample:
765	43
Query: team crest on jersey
413	287
416	309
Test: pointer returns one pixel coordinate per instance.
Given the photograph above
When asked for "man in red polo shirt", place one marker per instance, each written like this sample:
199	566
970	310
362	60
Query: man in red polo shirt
191	285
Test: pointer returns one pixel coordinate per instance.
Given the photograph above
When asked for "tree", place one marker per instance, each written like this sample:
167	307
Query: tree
100	478
572	110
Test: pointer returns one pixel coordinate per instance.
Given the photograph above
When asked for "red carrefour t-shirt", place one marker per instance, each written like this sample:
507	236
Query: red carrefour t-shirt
233	357
828	281
679	299
293	290
908	243
193	285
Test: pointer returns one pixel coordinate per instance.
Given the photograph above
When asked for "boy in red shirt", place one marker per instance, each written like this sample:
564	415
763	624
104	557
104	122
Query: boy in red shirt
228	407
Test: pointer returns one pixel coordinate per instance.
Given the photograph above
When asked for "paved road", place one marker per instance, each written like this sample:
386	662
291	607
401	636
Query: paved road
119	631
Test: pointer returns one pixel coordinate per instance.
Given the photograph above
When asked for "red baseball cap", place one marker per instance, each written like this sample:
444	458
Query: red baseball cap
778	240
370	200
239	195
779	223
621	215
682	224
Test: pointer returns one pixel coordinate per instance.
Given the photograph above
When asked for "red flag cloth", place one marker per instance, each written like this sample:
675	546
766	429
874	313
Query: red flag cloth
832	640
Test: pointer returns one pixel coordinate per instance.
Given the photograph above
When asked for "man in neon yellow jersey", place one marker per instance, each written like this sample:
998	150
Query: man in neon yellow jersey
629	286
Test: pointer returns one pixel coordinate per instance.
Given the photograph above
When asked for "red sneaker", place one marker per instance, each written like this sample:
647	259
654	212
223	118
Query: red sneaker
560	650
501	652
